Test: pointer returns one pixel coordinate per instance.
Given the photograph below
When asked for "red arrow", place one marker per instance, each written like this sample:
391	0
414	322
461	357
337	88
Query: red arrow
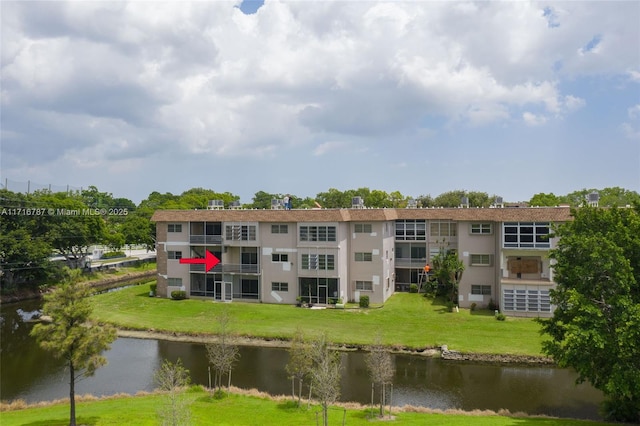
210	260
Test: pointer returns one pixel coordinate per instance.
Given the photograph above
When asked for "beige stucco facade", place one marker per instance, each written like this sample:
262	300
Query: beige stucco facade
325	255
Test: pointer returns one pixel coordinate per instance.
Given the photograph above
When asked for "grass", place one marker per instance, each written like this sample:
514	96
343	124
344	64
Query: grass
252	408
407	320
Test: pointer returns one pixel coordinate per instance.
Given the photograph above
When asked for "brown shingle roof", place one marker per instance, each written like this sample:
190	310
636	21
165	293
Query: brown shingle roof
533	214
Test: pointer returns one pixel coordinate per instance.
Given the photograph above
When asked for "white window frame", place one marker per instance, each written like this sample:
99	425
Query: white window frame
174	282
481	289
478	259
279	257
174	254
481	228
174	227
280	286
364	285
363	257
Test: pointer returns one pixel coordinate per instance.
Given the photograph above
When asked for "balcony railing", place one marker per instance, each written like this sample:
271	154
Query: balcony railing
232	268
404	262
205	239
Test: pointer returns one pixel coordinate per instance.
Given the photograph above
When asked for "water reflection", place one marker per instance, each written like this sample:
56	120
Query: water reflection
32	374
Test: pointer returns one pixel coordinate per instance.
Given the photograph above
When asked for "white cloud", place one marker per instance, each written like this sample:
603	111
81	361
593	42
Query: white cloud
203	79
531	119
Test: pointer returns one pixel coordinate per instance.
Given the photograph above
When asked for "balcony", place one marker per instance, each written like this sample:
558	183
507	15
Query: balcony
205	239
228	268
527	281
404	262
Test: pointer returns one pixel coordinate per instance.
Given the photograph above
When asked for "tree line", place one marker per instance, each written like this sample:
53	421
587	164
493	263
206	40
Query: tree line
36	226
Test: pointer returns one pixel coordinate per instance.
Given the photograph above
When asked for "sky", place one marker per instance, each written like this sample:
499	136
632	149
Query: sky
421	97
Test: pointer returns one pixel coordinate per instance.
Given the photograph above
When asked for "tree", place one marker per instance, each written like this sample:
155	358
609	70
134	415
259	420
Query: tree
223	354
545	200
595	328
70	335
172	378
325	375
300	362
448	269
381	370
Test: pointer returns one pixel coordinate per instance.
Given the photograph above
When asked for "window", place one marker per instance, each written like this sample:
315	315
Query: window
526	234
481	228
279	229
174	255
279	257
279	286
443	229
174	227
526	300
318	261
481	289
317	233
363	228
240	232
174	282
364	285
411	230
364	257
481	260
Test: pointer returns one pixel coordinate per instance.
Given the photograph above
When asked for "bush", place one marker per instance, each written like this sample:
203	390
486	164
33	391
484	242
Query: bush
153	287
364	301
413	288
501	317
113	254
449	306
473	306
333	301
178	295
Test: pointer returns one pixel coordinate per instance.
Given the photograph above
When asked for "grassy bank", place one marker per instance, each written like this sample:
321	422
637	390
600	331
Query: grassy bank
243	409
406	320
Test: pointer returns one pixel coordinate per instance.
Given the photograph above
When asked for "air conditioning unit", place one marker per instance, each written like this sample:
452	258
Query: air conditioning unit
412	204
464	202
593	199
277	204
357	203
235	205
215	205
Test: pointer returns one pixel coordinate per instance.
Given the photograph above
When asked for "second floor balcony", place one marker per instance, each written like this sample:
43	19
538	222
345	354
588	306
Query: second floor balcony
228	268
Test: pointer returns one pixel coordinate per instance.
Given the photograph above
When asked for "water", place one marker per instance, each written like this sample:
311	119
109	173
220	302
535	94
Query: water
31	374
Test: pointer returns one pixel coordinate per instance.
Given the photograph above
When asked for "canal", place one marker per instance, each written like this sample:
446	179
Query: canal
31	374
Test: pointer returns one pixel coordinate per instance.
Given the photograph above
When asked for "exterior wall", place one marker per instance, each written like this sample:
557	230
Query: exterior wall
378	270
280	272
506	288
470	244
161	258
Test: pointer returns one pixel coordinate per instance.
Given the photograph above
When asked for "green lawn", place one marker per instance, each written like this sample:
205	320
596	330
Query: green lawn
245	410
406	320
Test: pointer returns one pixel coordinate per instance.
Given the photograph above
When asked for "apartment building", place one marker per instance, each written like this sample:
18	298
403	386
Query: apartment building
274	256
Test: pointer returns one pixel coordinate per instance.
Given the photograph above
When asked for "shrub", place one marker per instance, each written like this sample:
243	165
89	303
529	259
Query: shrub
501	317
364	301
413	288
449	306
333	300
153	287
178	294
473	306
113	254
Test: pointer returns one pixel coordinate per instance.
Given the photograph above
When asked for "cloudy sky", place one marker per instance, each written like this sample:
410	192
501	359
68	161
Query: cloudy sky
422	97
